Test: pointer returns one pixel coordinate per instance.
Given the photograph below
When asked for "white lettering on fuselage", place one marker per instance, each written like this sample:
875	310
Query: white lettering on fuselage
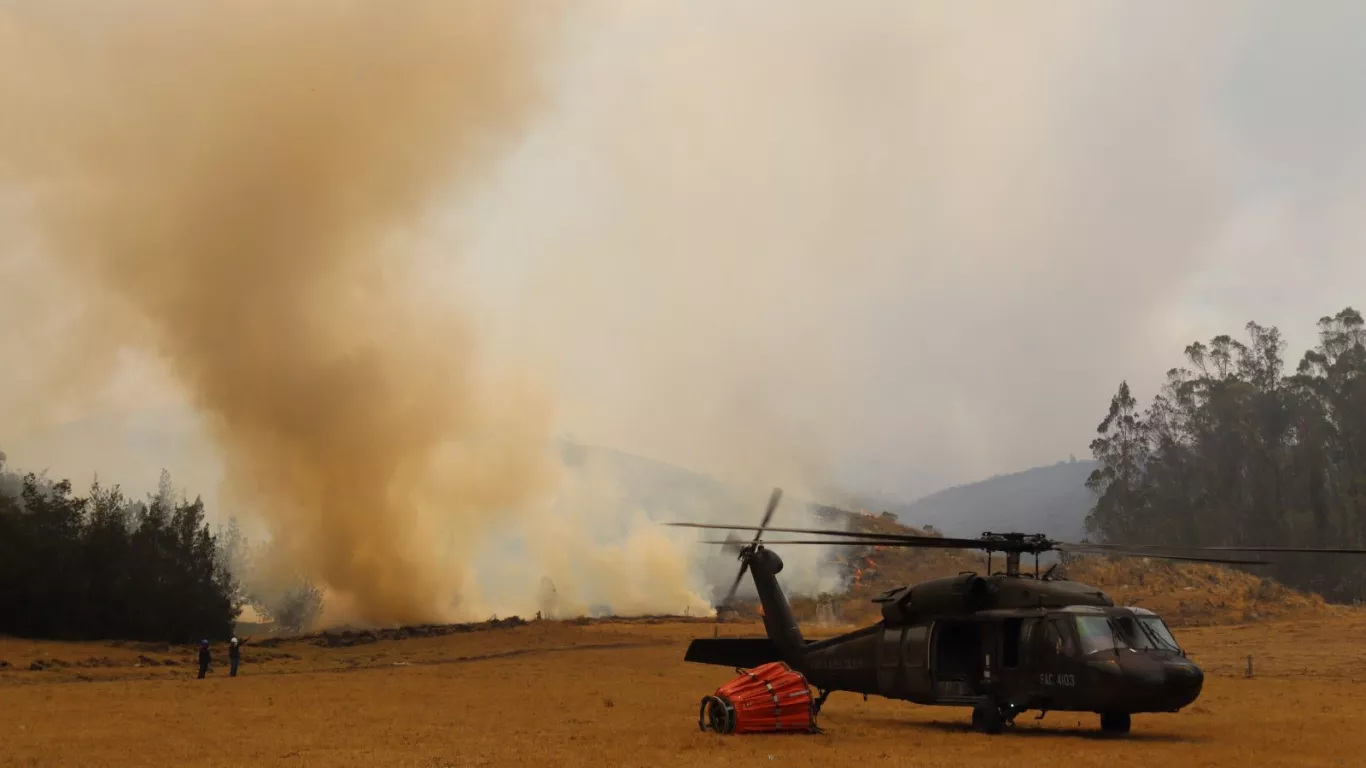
1066	681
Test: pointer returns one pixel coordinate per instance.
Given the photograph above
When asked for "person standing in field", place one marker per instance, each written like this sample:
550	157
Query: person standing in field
234	655
203	658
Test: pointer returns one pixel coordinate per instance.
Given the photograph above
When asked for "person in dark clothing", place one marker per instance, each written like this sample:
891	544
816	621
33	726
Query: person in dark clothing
203	658
234	655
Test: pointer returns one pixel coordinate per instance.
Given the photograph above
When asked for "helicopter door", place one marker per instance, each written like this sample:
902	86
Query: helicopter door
957	654
1011	635
889	662
915	652
1054	648
1011	653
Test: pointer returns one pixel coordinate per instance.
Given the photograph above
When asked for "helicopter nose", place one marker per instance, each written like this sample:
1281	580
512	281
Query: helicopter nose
1183	682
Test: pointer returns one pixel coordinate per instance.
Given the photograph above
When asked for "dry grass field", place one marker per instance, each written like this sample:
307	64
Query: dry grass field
618	693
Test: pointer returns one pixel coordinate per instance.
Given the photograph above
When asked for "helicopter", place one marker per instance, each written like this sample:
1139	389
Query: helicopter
1001	643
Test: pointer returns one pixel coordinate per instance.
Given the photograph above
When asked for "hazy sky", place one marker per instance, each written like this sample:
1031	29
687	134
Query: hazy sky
880	246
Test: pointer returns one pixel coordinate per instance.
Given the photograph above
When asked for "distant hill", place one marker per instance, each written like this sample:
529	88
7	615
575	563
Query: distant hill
1053	500
648	483
658	486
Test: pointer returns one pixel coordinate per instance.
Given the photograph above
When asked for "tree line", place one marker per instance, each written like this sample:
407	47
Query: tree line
1235	450
106	566
101	565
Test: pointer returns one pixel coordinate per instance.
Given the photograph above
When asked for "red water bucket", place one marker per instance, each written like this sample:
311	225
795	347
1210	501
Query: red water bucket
767	699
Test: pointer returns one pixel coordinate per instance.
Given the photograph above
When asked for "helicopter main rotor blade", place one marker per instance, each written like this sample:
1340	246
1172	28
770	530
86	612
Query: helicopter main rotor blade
1167	554
1080	549
1171	548
904	539
847	543
1076	549
1315	550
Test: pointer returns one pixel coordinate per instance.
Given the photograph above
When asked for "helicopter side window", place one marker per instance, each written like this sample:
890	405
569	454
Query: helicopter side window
1053	639
1050	642
1098	634
1068	646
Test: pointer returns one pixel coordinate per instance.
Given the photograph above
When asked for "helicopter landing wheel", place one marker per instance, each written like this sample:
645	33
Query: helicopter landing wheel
1114	722
987	717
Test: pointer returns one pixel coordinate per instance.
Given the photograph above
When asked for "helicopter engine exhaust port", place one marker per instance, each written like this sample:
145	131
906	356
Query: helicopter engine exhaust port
770	698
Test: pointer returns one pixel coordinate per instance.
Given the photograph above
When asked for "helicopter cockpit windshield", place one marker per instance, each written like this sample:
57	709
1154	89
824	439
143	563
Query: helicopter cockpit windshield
1147	633
1112	633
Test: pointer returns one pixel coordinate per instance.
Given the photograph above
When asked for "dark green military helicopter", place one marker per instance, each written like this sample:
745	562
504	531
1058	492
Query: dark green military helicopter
1001	643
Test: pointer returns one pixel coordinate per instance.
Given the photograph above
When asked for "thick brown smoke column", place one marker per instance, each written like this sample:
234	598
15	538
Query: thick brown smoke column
239	175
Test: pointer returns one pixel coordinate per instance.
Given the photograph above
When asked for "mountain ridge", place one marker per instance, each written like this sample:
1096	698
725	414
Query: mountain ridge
1051	499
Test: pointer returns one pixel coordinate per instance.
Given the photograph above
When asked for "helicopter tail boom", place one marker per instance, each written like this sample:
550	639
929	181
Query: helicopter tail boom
779	623
784	641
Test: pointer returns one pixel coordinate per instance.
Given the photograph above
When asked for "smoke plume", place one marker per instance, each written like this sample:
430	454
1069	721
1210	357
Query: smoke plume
879	245
904	245
243	186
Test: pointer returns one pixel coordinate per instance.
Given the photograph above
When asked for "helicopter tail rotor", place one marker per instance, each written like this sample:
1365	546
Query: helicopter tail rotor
734	544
